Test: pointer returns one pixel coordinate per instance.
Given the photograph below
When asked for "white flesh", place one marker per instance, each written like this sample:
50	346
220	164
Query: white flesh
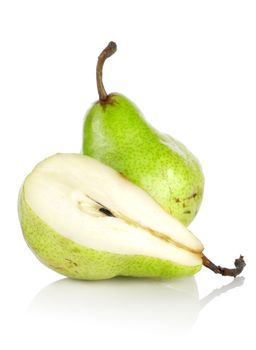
64	189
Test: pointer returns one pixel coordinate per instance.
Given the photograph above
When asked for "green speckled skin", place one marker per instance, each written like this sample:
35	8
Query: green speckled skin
79	262
117	134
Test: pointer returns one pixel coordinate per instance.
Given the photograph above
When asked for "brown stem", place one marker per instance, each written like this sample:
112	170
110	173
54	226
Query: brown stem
107	52
239	266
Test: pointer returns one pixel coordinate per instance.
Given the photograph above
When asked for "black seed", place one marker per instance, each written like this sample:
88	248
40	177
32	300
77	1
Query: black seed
106	211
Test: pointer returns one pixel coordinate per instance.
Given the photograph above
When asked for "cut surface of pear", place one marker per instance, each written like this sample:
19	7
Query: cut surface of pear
85	220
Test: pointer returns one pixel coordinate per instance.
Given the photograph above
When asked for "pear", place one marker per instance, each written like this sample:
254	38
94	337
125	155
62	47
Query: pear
84	220
116	133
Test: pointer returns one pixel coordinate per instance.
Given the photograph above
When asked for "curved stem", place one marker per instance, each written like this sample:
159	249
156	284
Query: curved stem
239	266
107	52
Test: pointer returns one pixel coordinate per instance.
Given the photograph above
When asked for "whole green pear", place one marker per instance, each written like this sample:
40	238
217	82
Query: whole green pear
116	133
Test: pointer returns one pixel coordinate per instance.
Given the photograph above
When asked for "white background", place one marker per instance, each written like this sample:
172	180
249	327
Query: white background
190	66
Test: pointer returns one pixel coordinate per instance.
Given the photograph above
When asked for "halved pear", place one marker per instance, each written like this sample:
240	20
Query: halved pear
86	221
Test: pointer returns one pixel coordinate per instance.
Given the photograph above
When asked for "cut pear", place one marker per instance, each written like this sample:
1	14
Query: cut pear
85	220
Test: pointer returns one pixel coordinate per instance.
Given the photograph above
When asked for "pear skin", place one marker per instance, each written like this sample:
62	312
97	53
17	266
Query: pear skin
116	133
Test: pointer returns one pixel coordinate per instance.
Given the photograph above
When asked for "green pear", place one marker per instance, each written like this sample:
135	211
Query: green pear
116	133
84	220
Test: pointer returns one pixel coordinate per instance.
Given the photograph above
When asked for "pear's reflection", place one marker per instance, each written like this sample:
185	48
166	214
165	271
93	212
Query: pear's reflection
172	305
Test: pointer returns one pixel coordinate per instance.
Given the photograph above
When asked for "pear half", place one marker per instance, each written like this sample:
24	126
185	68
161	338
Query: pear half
85	220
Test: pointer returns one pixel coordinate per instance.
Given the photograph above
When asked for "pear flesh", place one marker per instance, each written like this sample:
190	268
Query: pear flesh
87	221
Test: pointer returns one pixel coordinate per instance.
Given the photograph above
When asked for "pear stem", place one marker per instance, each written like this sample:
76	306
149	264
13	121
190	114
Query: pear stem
106	53
239	266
